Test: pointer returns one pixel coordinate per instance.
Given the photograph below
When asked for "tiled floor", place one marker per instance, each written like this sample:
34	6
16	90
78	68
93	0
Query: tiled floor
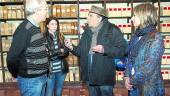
119	92
69	90
16	93
11	90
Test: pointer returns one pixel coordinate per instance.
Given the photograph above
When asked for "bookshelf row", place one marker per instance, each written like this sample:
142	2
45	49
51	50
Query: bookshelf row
71	10
70	27
12	11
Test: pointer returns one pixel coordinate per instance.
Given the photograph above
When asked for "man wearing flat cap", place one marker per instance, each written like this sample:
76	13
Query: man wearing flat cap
100	42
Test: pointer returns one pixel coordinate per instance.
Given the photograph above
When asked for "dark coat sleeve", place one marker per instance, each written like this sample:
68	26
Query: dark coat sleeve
118	44
15	51
77	49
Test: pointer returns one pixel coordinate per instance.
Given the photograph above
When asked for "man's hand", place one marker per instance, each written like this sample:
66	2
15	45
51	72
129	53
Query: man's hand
98	48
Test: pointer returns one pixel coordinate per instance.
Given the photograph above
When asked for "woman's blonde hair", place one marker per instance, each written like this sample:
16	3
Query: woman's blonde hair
147	14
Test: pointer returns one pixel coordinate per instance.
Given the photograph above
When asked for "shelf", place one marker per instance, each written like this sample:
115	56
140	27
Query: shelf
128	1
118	1
168	49
135	1
67	18
71	36
11	3
6	35
82	18
165	33
165	66
15	3
6	69
4	51
12	19
164	0
128	17
90	2
164	16
64	2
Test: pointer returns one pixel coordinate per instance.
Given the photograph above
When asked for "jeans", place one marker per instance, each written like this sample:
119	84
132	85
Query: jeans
95	90
55	83
32	86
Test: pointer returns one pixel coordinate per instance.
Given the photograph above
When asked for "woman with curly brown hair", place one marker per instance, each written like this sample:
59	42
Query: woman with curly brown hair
57	54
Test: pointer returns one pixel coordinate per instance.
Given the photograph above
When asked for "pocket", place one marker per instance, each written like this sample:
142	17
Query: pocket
107	38
108	35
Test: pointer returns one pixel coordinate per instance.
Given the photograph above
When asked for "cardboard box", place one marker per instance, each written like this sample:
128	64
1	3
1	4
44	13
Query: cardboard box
73	10
163	59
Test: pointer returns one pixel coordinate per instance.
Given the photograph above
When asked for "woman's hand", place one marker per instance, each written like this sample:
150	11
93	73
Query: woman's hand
62	50
127	83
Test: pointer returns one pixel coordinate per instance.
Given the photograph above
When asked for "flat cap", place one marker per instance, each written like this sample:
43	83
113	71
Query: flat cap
98	10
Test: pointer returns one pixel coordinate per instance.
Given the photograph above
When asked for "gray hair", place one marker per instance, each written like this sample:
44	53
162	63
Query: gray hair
31	6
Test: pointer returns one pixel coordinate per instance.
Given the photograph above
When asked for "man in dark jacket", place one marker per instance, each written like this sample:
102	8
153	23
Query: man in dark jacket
99	44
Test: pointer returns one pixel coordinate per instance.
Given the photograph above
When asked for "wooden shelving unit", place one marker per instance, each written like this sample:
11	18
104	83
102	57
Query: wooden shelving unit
79	20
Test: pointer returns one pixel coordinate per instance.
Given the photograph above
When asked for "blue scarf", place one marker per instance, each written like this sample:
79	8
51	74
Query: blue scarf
140	33
145	30
135	43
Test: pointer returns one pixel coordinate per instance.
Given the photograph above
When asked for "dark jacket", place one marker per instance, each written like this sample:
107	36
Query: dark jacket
55	53
103	70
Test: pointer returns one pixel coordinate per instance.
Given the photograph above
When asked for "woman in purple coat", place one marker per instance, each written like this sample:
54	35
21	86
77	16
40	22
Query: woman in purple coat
143	74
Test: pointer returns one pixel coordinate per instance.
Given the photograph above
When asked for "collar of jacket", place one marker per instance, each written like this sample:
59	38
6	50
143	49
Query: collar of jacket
104	27
97	29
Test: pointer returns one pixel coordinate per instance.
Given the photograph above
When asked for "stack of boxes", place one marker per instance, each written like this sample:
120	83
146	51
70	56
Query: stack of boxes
165	29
